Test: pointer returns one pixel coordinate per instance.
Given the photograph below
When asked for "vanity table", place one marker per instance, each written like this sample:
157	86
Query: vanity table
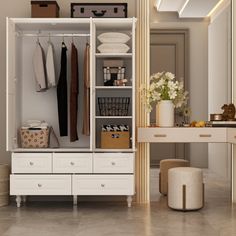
192	135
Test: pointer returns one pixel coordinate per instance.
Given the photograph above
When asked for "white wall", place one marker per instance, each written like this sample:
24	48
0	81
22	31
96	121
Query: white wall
198	76
22	8
219	89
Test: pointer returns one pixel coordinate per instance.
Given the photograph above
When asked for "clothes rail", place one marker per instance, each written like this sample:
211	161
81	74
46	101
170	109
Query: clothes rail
54	35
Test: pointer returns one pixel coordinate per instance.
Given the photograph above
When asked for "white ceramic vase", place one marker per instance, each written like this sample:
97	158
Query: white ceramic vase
165	113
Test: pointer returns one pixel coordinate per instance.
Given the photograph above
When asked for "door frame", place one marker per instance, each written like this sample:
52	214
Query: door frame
185	33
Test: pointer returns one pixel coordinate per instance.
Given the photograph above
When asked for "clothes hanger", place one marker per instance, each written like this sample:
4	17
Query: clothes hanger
49	38
87	40
63	41
38	39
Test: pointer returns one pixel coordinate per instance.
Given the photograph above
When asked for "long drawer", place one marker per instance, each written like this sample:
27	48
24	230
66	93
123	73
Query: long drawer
31	163
231	135
72	162
113	163
103	185
182	135
40	185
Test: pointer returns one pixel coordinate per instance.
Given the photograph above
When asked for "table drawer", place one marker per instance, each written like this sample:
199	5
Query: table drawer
113	163
231	135
103	185
72	162
31	163
40	185
182	135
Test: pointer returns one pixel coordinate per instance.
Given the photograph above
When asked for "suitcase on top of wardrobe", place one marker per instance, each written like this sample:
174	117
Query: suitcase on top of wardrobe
99	10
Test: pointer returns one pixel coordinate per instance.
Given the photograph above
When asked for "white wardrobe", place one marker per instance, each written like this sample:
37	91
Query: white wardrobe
75	168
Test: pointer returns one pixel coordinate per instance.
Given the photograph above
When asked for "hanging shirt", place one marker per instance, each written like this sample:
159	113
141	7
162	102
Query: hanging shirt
50	67
39	68
86	99
74	91
62	94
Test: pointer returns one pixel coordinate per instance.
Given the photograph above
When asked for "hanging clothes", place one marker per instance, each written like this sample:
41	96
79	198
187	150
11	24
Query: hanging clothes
50	66
86	101
62	93
74	91
39	68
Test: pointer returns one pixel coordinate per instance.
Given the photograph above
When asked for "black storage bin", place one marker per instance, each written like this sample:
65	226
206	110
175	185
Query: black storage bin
113	106
99	10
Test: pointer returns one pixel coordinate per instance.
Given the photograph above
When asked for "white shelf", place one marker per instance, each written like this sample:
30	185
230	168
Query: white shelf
113	117
63	149
113	87
102	55
114	150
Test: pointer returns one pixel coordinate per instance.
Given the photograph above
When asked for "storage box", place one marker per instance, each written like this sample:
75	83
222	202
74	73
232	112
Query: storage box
99	10
34	138
115	139
44	9
113	76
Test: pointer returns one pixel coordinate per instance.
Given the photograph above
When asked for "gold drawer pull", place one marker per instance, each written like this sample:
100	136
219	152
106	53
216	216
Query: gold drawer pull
160	135
204	135
113	163
31	163
72	163
102	185
39	185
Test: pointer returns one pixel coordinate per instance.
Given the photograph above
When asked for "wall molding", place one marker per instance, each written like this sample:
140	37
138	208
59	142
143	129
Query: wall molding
143	74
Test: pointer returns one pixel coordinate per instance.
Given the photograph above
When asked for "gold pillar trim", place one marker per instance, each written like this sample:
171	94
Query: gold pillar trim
143	73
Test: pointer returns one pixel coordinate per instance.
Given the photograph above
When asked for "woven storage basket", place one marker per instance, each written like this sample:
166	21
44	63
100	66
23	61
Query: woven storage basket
31	138
4	184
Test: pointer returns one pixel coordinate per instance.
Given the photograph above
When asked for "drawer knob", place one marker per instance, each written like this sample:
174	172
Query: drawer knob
204	135
160	135
102	185
72	163
113	163
39	185
31	163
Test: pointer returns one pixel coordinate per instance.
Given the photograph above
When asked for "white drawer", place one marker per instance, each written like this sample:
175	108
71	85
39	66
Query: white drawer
72	162
182	135
231	135
103	185
113	163
31	163
40	185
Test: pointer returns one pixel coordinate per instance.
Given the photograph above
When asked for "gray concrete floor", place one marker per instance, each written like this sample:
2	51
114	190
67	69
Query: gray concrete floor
217	218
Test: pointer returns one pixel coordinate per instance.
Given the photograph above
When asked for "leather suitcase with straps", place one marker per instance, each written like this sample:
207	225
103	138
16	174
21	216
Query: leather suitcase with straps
99	10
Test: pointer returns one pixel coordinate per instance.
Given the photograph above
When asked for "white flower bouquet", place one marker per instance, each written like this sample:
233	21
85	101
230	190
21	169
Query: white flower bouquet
163	86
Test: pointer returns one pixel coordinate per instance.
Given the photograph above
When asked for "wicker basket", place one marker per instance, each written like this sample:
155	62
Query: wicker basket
4	185
113	106
34	138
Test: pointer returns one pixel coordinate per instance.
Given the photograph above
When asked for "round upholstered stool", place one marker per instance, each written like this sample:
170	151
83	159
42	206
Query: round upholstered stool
165	165
185	188
4	184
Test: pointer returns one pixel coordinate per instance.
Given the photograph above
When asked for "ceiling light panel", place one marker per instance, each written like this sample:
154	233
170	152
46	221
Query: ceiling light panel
169	5
198	8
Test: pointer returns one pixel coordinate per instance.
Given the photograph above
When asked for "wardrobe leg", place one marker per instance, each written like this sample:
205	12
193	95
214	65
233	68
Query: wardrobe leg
18	200
129	200
75	200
